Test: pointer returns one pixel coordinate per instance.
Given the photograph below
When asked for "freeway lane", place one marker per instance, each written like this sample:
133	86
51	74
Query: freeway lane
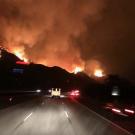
46	116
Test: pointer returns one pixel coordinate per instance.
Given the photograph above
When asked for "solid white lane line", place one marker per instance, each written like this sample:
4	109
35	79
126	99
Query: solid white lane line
28	116
66	114
105	119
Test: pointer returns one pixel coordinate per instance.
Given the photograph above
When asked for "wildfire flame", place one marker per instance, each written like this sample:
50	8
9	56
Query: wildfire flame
77	70
20	55
98	73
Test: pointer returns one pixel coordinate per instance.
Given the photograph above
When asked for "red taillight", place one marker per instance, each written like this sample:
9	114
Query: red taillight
72	94
77	94
116	110
129	111
76	91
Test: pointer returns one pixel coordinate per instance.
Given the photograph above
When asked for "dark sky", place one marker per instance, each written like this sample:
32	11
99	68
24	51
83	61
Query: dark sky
69	33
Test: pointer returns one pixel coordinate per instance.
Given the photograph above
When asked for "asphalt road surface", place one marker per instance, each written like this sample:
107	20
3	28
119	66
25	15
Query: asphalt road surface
46	116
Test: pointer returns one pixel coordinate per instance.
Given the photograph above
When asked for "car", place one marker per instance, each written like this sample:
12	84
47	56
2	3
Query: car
74	93
126	110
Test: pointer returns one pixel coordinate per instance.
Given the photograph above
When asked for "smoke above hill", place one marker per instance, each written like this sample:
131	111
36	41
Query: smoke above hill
68	33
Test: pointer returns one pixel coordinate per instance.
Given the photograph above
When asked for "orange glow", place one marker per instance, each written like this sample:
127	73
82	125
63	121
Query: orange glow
20	55
98	73
78	69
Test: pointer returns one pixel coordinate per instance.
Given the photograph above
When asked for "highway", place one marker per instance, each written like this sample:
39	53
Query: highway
46	116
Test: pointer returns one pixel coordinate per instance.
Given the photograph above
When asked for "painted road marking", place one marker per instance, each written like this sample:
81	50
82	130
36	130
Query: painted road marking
66	114
27	116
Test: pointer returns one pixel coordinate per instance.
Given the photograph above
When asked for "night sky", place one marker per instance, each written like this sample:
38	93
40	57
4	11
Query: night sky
69	33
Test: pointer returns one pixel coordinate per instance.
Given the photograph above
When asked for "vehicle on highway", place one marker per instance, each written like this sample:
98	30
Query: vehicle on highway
125	110
55	92
74	93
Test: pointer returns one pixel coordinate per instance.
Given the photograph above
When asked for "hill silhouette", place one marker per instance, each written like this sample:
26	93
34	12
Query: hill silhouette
32	76
16	76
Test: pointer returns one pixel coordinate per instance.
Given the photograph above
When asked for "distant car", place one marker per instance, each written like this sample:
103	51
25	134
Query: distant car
74	93
121	109
55	92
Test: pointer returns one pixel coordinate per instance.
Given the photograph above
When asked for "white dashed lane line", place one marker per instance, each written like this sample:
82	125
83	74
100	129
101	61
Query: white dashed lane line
27	116
66	114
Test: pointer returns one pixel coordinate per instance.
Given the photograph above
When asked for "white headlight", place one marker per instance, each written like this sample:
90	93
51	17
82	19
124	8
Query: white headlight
38	91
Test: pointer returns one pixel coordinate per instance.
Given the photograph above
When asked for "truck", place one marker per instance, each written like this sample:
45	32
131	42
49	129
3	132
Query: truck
55	92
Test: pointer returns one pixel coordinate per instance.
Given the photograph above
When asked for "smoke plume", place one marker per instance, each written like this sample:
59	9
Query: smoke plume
68	33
